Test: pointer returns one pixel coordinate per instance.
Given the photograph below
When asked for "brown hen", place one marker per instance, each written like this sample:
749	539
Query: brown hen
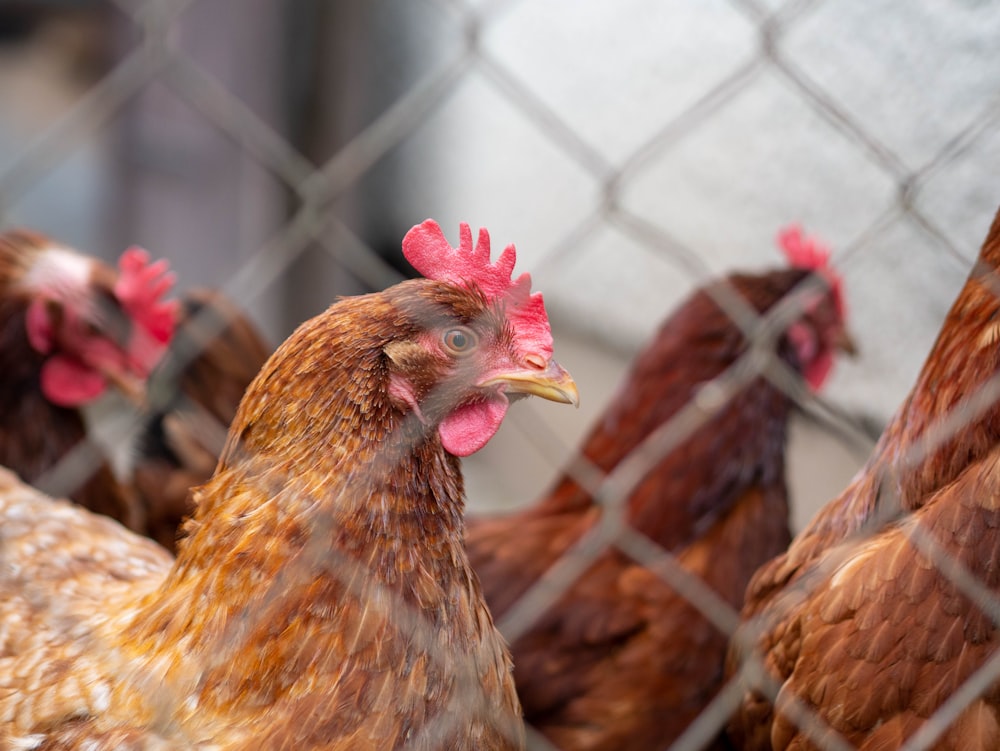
885	606
322	597
621	660
70	326
200	375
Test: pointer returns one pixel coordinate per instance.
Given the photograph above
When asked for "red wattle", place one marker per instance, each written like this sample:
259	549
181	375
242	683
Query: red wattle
469	428
70	383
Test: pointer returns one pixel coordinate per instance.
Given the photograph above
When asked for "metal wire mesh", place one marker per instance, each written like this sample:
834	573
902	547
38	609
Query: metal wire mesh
313	191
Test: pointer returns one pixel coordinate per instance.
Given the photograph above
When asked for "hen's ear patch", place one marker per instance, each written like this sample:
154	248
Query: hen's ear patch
405	354
38	324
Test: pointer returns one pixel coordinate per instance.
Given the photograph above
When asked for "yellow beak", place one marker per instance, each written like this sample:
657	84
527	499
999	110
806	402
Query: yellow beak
552	383
134	389
845	343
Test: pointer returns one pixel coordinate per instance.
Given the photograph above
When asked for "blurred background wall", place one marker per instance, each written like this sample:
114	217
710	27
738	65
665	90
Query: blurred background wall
631	149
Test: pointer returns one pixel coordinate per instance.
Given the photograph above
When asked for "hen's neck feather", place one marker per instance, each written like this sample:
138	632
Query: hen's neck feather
708	468
318	453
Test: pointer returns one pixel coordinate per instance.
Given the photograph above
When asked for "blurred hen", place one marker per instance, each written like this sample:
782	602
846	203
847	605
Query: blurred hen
621	660
74	326
70	328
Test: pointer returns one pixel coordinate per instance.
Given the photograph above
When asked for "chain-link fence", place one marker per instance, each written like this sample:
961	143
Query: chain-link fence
632	151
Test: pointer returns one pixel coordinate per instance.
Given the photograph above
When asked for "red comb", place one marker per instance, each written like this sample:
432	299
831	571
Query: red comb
430	253
140	288
803	252
813	254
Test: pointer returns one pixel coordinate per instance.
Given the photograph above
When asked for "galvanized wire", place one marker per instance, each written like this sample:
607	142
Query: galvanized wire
313	222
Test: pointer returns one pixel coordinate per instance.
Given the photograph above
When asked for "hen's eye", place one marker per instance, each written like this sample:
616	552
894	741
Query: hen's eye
460	340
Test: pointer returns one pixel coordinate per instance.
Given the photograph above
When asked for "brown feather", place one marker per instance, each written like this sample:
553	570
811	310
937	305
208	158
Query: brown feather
873	610
215	354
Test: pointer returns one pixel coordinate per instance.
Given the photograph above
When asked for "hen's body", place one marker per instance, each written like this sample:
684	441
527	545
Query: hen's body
866	619
622	660
322	597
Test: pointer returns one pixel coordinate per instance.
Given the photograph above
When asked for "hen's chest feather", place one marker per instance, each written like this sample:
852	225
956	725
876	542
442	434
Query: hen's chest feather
332	646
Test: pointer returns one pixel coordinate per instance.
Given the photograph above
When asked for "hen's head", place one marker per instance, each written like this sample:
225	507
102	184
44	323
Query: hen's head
821	329
477	339
90	325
